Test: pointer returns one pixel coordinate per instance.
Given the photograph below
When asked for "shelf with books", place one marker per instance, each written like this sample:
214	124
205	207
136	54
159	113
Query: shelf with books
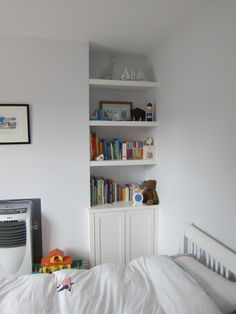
119	150
107	191
102	123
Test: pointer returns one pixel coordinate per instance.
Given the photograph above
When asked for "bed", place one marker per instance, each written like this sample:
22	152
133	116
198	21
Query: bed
147	285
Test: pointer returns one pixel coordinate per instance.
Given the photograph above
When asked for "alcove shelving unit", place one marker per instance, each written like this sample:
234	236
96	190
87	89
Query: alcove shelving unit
120	232
122	85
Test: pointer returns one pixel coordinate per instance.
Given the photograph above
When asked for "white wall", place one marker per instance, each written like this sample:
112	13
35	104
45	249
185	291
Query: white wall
52	76
197	147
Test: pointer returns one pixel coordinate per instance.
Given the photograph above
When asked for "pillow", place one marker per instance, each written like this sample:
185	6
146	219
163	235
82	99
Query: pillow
221	290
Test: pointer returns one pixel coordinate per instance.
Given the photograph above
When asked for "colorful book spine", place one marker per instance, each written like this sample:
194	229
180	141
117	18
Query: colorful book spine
97	146
124	151
112	152
105	149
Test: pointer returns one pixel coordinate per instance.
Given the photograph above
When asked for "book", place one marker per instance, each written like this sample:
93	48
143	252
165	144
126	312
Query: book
124	151
105	149
112	153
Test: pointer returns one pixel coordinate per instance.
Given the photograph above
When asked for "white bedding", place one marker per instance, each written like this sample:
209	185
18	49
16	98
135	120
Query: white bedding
146	285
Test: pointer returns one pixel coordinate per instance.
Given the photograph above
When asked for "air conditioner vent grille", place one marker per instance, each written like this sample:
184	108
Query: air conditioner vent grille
12	233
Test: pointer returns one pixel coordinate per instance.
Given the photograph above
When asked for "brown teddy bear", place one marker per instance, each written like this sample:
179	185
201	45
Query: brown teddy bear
150	196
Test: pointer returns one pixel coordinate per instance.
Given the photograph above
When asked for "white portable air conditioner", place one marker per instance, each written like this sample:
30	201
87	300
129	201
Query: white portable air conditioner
15	238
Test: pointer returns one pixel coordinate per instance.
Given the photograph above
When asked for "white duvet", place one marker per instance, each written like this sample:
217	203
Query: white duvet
146	285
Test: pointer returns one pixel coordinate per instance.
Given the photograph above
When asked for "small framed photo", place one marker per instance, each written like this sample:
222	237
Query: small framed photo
14	124
117	110
149	152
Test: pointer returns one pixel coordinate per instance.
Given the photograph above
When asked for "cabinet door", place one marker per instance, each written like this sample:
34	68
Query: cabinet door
139	233
109	238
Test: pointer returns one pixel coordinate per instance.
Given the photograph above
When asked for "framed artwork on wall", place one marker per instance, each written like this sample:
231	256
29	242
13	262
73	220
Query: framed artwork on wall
117	110
14	124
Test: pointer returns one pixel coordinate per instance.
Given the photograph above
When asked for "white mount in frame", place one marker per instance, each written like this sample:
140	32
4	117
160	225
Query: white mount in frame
14	124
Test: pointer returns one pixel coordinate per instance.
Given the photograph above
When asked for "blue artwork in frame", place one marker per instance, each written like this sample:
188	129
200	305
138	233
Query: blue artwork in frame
14	124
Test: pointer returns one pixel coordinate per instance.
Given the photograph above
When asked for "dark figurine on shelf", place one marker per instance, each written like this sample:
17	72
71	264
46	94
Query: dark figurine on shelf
149	113
138	114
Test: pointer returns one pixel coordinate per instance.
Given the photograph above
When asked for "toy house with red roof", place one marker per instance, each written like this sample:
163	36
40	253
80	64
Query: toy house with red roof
56	260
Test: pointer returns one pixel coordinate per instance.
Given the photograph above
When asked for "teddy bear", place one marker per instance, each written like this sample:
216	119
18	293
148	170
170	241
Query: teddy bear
150	196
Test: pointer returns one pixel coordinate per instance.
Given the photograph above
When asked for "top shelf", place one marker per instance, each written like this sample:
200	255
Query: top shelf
118	84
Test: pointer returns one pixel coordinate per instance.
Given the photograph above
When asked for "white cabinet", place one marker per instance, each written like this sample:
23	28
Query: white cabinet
118	235
139	227
109	238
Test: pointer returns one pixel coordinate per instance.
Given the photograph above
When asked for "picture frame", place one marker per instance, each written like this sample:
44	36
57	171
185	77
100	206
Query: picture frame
117	110
149	152
14	124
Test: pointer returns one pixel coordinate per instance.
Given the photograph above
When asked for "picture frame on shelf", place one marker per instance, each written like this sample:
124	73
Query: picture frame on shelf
117	110
149	152
14	124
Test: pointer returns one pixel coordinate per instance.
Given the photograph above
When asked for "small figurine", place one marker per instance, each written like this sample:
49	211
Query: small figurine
149	115
99	114
137	114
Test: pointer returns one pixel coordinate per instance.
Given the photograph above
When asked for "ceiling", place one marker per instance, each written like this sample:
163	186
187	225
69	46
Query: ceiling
127	25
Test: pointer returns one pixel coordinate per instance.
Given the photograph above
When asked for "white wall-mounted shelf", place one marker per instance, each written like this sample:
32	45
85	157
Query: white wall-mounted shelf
108	163
118	206
117	84
123	123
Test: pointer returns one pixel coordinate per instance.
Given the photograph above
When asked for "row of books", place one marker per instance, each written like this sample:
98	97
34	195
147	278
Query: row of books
105	191
116	149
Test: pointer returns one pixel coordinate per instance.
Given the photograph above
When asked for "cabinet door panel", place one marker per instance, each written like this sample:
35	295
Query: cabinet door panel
109	238
139	233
